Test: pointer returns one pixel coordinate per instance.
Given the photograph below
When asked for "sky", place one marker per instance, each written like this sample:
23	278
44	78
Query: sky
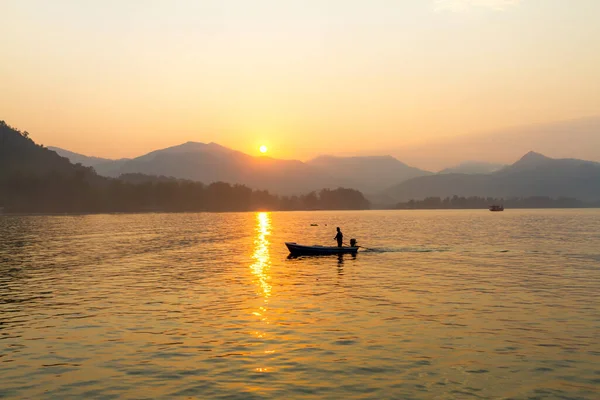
304	77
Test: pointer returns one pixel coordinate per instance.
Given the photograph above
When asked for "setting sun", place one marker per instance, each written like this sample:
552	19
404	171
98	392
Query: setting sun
263	149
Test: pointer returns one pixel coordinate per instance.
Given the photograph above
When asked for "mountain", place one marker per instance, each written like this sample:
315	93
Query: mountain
473	167
110	168
103	166
77	158
529	161
539	165
532	175
579	138
212	162
367	174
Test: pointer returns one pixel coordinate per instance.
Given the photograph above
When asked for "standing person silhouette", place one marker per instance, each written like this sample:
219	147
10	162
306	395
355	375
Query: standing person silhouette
339	237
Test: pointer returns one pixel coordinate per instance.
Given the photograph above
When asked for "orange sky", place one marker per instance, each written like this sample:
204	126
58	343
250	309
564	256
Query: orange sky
118	79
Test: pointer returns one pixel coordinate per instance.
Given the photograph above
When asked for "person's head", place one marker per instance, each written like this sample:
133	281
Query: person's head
338	228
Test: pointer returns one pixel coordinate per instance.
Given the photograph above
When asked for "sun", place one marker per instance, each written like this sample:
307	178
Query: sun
263	149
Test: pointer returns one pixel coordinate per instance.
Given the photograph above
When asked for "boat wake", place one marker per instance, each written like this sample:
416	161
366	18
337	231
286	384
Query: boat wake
403	250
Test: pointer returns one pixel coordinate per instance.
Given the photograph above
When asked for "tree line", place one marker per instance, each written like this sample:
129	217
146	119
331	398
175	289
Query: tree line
474	202
55	193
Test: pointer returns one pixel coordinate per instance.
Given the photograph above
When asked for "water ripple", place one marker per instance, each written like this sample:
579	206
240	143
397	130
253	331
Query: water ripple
438	305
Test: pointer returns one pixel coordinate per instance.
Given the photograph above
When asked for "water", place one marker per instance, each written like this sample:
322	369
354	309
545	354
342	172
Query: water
442	305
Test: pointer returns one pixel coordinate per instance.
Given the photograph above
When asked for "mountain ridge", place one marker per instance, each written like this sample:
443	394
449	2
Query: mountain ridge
473	167
578	138
382	178
534	174
78	158
211	162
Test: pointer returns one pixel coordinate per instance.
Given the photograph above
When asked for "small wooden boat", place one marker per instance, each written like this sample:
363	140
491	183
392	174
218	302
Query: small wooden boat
496	208
316	250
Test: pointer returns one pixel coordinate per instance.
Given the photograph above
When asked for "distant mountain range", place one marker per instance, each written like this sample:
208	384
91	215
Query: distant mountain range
384	179
369	174
212	162
577	138
473	167
533	175
76	158
103	166
388	180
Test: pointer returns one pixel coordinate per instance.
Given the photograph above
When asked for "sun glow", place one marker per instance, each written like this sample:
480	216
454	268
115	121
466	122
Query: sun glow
263	149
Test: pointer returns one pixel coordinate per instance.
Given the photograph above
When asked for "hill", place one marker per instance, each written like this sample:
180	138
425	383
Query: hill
368	174
20	155
578	138
533	175
103	166
77	158
33	178
211	162
473	167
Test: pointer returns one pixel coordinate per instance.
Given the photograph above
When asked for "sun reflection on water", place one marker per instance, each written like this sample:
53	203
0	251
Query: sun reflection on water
260	269
262	261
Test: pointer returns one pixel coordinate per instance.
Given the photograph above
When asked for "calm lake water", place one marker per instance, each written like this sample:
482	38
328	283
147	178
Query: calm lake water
443	305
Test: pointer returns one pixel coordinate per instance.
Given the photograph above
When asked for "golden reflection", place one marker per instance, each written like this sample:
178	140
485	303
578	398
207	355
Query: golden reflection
260	269
262	260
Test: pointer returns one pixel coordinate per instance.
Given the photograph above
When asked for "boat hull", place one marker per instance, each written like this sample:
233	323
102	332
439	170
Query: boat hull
298	249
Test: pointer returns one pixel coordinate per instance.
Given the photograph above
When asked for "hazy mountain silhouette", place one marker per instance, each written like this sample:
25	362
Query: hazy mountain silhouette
372	175
103	166
529	161
473	167
212	163
77	158
36	179
368	174
533	175
578	138
110	168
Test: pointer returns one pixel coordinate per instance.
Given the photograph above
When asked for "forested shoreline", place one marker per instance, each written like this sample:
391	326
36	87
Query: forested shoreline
56	194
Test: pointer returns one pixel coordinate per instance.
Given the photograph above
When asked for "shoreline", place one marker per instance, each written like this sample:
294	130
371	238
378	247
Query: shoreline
77	214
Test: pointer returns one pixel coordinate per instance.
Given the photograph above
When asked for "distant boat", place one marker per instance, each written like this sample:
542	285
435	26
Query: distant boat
316	250
496	208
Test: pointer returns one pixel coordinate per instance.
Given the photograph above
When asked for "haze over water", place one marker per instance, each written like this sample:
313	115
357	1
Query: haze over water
442	305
